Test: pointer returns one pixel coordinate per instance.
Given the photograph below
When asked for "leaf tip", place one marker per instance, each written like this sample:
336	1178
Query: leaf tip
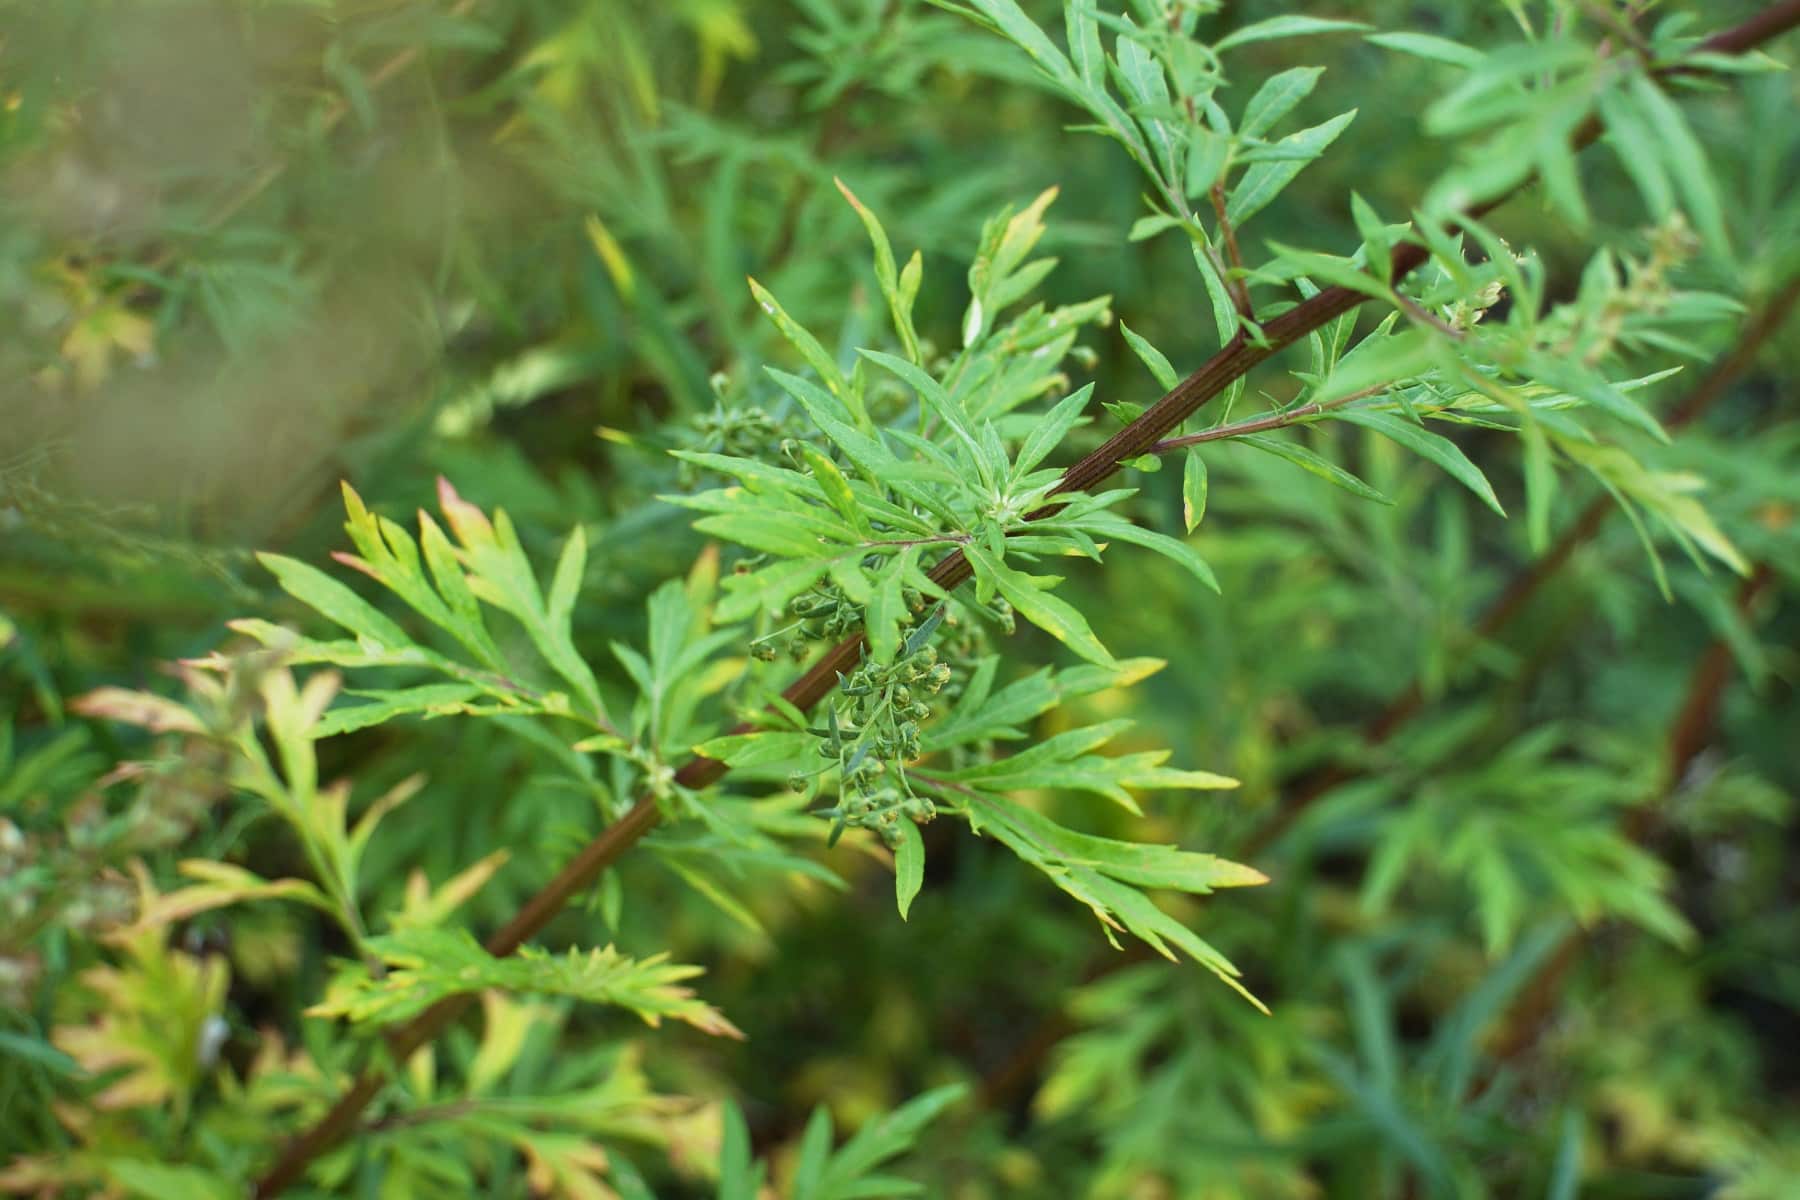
354	563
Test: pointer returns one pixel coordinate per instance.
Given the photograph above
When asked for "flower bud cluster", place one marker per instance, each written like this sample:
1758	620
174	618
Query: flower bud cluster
825	613
746	432
874	732
822	613
882	811
887	703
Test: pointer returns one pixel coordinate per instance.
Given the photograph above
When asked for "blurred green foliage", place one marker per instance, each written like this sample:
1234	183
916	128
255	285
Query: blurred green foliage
1530	920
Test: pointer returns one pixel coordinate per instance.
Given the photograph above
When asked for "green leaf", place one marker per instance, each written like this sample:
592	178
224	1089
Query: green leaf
1668	496
1377	235
932	395
162	1181
870	454
1498	91
769	589
1146	86
1540	486
1330	268
426	965
1263	181
1209	153
848	1174
815	1153
1085	50
886	609
468	626
1124	411
815	355
1565	1168
39	1053
1069	760
1587	385
1007	17
1375	362
836	488
1429	46
1638	151
1284	27
1110	525
769	747
1055	617
221	885
1193	490
1440	450
787	534
740	1176
1151	357
899	299
565	584
390	557
502	576
1048	432
1305	459
1686	162
1276	98
707	885
384	706
982	715
909	865
999	274
1225	319
333	601
1558	170
1148	227
1099	872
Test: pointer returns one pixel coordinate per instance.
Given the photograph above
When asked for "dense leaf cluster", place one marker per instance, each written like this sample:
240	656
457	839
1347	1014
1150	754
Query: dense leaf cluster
543	845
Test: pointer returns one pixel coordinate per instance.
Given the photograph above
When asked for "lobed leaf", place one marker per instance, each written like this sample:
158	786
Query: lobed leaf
1058	618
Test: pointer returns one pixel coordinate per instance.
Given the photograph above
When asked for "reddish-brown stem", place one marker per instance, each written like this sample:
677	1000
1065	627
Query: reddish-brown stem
1240	290
1765	26
1234	360
1262	424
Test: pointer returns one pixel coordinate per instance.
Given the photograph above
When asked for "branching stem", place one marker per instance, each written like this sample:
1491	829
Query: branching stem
1233	361
1299	415
1234	278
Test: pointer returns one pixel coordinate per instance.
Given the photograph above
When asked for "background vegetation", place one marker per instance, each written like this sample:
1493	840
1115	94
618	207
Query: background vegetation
1522	788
